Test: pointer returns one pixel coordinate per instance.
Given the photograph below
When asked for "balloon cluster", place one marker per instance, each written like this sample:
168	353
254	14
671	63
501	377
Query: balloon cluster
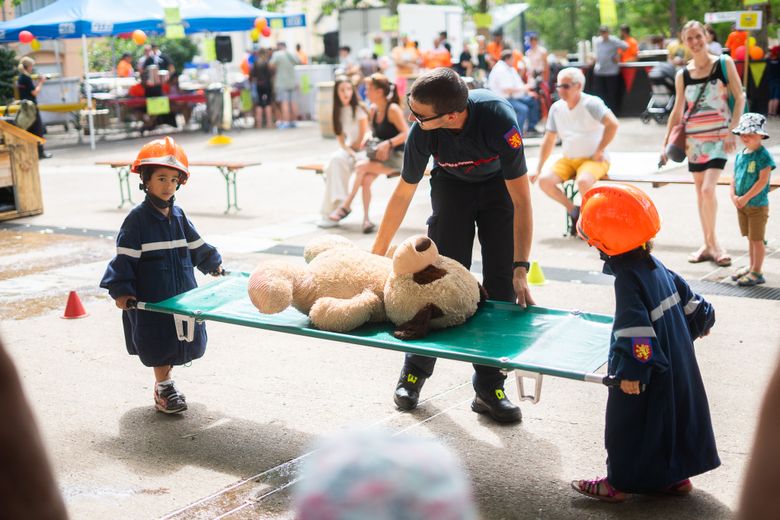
261	27
27	37
756	53
139	37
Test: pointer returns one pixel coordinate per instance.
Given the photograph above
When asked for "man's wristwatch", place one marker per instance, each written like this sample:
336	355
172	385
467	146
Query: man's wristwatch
524	265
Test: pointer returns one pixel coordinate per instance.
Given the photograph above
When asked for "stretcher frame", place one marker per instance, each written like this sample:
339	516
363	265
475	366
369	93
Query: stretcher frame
531	343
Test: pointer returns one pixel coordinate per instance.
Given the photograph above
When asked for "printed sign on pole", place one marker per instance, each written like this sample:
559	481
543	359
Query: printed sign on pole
749	21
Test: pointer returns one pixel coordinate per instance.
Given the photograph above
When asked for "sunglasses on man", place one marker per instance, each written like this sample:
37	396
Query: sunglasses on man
420	119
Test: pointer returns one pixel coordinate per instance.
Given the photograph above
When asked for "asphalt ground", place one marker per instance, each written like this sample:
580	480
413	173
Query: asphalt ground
259	399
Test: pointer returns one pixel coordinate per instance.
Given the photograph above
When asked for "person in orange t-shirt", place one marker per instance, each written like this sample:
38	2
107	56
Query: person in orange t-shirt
124	69
735	39
632	52
302	57
495	47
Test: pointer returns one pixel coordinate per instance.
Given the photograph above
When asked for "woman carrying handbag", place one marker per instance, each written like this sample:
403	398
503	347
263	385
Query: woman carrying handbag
703	88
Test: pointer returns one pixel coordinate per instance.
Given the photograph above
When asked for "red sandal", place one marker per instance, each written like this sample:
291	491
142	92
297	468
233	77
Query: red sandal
679	489
595	488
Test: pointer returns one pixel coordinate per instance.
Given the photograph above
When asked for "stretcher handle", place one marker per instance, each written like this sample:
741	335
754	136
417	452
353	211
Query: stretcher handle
613	381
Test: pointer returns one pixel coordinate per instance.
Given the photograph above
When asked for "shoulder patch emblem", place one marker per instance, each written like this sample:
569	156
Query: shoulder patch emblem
513	138
642	349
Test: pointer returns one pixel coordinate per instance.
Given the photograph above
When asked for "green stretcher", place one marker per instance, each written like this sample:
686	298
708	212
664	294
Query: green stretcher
532	342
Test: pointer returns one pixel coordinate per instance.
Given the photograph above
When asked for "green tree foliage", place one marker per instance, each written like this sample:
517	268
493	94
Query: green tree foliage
8	63
105	53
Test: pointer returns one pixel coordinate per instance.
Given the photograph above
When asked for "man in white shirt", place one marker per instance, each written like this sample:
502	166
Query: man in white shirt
586	126
506	82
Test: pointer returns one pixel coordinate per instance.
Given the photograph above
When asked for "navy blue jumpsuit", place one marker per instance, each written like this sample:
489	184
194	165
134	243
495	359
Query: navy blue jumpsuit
663	435
468	190
154	261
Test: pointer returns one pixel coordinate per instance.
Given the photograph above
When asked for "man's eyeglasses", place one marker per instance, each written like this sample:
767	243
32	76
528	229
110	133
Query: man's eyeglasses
565	86
420	119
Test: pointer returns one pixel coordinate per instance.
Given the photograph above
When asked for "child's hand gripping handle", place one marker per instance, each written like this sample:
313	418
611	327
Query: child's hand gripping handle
132	304
219	271
614	381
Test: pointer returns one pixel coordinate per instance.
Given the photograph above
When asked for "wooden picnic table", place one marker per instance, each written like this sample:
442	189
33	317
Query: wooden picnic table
228	169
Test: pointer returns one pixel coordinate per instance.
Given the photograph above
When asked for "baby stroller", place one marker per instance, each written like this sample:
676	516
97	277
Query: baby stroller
662	99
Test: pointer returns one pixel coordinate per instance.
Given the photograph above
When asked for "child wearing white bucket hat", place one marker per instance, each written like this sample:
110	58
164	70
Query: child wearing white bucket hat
749	189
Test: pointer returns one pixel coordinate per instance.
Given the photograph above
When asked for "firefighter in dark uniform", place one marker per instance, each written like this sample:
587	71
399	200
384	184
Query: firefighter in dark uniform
478	184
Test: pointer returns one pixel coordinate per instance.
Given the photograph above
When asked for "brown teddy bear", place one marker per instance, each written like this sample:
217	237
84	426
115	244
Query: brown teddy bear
428	291
343	287
340	289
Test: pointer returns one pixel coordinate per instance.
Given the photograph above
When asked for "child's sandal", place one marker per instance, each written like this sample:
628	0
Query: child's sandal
679	489
598	488
751	279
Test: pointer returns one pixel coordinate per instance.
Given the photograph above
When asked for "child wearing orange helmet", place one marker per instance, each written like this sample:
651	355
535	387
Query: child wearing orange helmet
658	430
157	248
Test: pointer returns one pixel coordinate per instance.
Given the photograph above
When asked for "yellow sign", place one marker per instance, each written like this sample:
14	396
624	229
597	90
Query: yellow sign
305	83
755	2
749	21
483	20
608	12
172	15
209	49
388	23
246	100
156	106
174	32
277	23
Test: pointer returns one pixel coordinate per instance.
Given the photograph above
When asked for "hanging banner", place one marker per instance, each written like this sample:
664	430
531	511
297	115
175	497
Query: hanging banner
722	16
608	12
174	32
757	71
388	23
157	106
755	2
277	23
483	20
305	84
172	15
628	73
209	49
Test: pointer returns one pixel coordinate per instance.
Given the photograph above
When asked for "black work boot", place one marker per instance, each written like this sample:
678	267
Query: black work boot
497	405
407	392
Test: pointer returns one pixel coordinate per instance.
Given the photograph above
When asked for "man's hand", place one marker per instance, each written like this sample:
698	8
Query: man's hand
121	302
630	387
533	176
598	156
730	143
520	284
740	202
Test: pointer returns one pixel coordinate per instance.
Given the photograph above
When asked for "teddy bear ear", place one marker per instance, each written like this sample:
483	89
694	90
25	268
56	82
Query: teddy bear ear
420	324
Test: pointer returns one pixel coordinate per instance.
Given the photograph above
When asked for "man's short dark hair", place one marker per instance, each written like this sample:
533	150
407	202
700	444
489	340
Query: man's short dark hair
625	28
603	28
443	89
506	54
345	48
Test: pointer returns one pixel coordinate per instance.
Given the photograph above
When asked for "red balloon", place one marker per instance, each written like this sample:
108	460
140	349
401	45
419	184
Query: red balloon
739	53
266	32
136	90
26	37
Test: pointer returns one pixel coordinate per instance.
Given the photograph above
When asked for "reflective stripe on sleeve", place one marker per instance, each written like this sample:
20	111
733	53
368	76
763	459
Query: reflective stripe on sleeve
196	244
691	306
635	332
157	246
666	304
134	253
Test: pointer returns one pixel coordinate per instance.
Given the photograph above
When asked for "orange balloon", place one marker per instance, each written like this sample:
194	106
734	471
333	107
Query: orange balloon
756	53
139	37
261	23
245	66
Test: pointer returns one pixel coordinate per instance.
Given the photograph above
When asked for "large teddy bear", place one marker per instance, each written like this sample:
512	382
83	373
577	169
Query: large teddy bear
343	287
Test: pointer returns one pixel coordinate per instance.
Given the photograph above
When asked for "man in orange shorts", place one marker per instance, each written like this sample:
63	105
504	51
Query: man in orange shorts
586	126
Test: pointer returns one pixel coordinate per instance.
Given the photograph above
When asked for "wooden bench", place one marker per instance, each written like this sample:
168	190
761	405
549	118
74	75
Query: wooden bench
228	169
657	180
319	169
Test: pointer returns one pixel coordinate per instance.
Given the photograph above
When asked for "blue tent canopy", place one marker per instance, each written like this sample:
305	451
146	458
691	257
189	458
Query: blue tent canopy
95	18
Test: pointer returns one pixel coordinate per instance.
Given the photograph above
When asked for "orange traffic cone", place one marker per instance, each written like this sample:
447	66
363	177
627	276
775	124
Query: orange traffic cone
74	309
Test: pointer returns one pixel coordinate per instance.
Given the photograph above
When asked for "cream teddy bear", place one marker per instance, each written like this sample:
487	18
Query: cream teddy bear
427	290
340	289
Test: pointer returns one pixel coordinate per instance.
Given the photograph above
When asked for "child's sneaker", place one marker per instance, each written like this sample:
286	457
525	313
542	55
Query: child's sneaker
168	399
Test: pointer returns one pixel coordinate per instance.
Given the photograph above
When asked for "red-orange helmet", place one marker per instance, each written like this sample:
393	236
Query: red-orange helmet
163	152
617	218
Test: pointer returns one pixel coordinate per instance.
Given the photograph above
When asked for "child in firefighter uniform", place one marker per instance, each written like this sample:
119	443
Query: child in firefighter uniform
658	427
157	248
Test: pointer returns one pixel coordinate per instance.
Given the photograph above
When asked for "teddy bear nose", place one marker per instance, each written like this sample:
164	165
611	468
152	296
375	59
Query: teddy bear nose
422	244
